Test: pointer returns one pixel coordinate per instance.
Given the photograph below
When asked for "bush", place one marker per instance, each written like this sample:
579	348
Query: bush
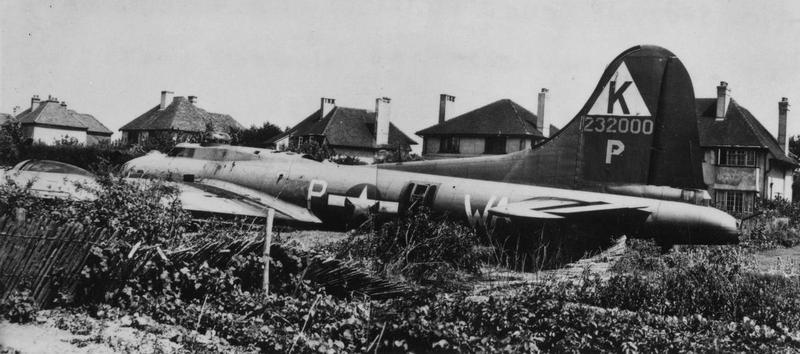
97	158
420	247
776	225
19	307
255	136
716	282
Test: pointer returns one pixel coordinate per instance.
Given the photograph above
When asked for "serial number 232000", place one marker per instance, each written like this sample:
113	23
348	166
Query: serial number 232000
624	125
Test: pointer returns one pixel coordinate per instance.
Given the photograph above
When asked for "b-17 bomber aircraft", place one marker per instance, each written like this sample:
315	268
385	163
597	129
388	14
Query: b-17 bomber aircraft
629	163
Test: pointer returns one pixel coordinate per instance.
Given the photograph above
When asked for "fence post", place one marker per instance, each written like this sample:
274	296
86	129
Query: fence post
267	246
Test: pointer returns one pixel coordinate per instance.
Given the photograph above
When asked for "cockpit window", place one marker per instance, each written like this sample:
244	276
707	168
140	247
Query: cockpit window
181	152
51	166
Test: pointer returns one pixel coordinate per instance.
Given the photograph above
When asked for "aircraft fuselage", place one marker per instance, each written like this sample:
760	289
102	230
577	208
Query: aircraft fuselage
338	192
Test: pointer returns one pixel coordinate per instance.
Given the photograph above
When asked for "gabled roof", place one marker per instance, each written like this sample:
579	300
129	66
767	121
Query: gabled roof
52	113
343	126
503	117
94	125
181	115
739	128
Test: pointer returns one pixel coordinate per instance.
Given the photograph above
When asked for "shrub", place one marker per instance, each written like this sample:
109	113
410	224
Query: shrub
97	158
776	225
716	282
421	247
19	307
255	136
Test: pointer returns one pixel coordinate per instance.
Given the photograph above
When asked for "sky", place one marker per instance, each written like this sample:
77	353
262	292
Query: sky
273	60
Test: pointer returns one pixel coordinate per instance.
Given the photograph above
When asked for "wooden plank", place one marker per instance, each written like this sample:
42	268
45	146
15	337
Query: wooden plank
55	256
35	254
39	259
8	255
267	247
19	257
70	259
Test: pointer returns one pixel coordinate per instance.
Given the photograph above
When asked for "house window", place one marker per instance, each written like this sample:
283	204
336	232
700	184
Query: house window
737	157
495	145
522	142
734	201
449	144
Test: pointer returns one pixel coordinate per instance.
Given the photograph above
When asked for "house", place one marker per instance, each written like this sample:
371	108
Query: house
500	127
50	122
347	131
742	160
177	119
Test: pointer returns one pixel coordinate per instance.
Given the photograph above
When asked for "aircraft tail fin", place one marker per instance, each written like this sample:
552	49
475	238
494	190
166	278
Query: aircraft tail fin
639	127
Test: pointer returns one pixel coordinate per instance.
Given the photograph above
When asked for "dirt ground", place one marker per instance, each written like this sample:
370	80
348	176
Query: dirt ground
64	331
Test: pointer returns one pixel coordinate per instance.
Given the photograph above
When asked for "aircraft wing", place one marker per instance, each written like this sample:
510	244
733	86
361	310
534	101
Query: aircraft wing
545	209
219	197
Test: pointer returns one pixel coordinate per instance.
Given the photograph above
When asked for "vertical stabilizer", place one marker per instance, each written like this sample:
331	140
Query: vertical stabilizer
639	127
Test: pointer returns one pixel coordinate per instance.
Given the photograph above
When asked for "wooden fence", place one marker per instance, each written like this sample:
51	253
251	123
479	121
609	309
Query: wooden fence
43	256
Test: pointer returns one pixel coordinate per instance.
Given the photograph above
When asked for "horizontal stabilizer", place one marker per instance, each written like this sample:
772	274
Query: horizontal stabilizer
555	209
214	196
591	208
520	211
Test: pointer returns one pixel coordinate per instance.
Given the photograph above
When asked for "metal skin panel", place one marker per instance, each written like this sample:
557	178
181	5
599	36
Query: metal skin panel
591	157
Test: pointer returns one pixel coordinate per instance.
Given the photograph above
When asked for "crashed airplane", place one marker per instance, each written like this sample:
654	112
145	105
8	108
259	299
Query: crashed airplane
628	164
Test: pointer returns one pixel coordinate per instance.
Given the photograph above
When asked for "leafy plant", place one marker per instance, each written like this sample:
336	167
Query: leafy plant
19	307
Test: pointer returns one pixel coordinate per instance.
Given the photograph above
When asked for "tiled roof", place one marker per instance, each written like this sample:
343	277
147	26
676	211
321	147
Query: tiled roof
739	128
503	117
52	113
181	115
94	125
343	126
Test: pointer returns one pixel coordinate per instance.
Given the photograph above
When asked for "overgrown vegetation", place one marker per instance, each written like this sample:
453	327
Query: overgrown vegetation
100	158
775	225
255	136
423	247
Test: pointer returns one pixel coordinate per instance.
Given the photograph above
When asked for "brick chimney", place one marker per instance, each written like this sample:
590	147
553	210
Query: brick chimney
166	98
723	98
35	102
193	99
326	105
383	113
446	105
783	109
542	121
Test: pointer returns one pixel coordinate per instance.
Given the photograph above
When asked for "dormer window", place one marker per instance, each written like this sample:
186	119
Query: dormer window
736	157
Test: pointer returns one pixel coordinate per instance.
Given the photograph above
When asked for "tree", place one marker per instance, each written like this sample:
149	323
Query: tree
255	136
794	145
